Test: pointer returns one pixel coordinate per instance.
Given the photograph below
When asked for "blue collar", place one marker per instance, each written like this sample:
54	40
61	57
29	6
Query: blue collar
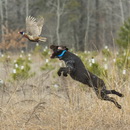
63	52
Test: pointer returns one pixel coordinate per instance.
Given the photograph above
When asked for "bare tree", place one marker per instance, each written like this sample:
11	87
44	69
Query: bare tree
2	20
6	15
87	25
122	11
27	8
97	21
59	11
81	24
58	21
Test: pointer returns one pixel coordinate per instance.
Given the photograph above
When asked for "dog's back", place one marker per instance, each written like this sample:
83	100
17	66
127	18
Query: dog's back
80	74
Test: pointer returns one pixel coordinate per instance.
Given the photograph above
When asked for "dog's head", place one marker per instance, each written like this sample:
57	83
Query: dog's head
57	50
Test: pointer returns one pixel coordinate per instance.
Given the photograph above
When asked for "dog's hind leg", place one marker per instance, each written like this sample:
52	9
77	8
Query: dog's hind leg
102	94
107	98
114	92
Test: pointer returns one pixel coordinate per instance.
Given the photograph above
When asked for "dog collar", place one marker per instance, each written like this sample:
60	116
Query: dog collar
63	52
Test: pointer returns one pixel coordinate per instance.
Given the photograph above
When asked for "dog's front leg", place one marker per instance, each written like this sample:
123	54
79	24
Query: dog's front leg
64	70
68	69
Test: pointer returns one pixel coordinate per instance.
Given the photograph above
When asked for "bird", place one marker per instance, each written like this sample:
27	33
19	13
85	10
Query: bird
34	29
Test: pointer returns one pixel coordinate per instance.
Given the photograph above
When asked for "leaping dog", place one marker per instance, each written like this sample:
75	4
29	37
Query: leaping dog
76	69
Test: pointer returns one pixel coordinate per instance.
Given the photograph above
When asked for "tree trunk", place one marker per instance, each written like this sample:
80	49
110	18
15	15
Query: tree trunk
2	21
97	42
81	34
75	44
87	27
122	11
82	23
58	22
27	8
6	15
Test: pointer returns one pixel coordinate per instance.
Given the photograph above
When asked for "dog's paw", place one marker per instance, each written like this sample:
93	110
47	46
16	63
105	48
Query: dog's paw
59	73
121	95
65	74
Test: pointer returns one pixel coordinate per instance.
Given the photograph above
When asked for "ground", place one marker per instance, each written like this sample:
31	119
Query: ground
48	102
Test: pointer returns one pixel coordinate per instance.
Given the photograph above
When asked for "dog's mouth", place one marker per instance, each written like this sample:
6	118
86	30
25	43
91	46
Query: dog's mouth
52	51
55	53
52	54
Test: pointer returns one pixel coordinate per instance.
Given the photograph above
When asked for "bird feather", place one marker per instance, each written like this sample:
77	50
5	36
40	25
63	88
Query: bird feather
33	26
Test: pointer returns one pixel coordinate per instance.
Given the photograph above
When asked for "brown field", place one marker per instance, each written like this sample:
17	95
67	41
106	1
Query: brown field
49	102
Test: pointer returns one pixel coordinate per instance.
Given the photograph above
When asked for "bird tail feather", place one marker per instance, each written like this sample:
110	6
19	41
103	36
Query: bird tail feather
42	39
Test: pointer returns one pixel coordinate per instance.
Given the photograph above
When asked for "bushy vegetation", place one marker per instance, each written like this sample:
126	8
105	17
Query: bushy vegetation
124	35
47	66
123	60
106	52
22	68
22	65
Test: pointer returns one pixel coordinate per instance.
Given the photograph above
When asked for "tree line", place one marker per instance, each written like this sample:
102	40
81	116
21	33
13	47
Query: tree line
79	24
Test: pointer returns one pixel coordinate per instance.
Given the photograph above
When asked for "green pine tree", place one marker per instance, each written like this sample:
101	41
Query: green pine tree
124	35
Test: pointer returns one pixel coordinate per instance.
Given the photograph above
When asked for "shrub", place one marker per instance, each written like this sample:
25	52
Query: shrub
21	69
97	70
45	52
47	66
123	60
124	35
37	49
106	52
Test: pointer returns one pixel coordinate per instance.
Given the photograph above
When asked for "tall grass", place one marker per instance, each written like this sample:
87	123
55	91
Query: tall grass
48	102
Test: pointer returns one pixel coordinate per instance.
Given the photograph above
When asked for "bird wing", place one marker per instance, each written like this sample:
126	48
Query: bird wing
34	27
40	24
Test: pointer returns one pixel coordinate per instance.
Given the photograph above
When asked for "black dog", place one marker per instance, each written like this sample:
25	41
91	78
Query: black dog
76	69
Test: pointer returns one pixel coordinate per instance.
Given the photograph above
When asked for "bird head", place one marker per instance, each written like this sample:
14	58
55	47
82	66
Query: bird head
22	33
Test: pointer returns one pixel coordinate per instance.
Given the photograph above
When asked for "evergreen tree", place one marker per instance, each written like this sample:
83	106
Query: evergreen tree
124	35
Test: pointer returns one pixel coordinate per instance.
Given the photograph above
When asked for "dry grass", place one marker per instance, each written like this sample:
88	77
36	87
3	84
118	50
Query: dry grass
39	104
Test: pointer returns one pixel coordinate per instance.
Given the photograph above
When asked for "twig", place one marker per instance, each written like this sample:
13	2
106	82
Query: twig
34	110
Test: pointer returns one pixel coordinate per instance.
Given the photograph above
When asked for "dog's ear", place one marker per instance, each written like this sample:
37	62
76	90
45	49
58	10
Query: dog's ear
53	46
67	49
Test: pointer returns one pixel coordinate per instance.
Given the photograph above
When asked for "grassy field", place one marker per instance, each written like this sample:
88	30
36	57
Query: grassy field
48	102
